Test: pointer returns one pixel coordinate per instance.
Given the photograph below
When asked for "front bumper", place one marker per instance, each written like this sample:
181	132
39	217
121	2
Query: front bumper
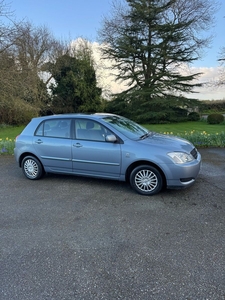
182	176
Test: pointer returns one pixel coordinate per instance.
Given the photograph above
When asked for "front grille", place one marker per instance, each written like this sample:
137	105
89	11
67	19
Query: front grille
194	153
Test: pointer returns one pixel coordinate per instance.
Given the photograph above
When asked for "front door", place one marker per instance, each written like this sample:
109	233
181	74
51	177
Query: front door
91	154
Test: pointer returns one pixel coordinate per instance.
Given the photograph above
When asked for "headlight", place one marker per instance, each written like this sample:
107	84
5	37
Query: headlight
180	157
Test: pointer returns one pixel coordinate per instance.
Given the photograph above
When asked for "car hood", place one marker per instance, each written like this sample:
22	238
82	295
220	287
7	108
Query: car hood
170	142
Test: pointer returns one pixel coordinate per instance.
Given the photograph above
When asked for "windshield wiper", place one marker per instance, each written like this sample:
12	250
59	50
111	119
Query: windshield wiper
144	136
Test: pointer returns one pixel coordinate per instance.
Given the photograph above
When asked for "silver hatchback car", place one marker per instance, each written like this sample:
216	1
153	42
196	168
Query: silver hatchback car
106	146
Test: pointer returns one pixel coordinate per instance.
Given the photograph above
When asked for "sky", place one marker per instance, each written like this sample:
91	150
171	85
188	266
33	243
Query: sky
71	19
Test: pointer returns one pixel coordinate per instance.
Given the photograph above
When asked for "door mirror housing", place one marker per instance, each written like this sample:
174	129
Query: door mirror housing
111	138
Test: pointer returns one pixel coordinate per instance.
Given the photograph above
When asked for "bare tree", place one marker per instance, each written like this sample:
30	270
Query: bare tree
222	67
23	53
24	50
6	26
32	47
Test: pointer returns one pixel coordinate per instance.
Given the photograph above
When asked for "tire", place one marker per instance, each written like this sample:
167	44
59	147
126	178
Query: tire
32	168
146	180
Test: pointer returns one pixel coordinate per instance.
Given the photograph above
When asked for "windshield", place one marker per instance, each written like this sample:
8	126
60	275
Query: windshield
127	127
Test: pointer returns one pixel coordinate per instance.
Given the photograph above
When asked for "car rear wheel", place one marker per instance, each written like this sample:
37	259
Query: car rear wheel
32	168
146	180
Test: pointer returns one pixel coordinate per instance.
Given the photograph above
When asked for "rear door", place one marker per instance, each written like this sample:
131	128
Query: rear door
52	142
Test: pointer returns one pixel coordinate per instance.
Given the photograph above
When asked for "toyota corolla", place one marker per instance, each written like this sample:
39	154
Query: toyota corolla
106	146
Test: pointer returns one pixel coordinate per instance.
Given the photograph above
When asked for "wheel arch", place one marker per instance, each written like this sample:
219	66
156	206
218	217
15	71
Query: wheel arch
28	154
144	162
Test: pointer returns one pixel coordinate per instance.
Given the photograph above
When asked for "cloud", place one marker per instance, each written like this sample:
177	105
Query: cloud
209	78
106	77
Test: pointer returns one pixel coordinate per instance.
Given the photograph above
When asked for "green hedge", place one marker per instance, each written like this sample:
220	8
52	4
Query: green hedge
215	119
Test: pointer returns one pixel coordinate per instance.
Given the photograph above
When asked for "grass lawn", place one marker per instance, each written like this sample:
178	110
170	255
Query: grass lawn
181	128
10	132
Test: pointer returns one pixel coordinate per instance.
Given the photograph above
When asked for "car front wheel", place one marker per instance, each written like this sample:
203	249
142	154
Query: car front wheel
32	168
146	180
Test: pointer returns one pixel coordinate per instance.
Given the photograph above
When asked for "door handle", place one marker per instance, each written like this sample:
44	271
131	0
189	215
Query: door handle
38	141
77	145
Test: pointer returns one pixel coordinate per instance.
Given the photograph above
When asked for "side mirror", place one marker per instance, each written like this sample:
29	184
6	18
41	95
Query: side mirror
111	138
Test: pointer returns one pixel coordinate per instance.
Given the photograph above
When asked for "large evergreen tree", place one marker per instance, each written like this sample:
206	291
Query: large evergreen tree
149	40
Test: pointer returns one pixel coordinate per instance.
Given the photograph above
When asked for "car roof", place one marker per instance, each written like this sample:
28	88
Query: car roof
80	115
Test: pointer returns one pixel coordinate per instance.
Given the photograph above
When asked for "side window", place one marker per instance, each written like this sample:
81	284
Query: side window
90	130
39	130
59	128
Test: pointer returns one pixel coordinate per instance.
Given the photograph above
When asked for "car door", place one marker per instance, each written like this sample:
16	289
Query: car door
52	142
91	154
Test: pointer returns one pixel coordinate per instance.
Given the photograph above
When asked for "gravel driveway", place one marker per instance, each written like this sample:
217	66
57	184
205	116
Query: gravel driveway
65	237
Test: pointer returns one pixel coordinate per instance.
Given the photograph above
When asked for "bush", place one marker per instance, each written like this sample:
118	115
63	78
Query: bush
193	116
17	112
215	119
